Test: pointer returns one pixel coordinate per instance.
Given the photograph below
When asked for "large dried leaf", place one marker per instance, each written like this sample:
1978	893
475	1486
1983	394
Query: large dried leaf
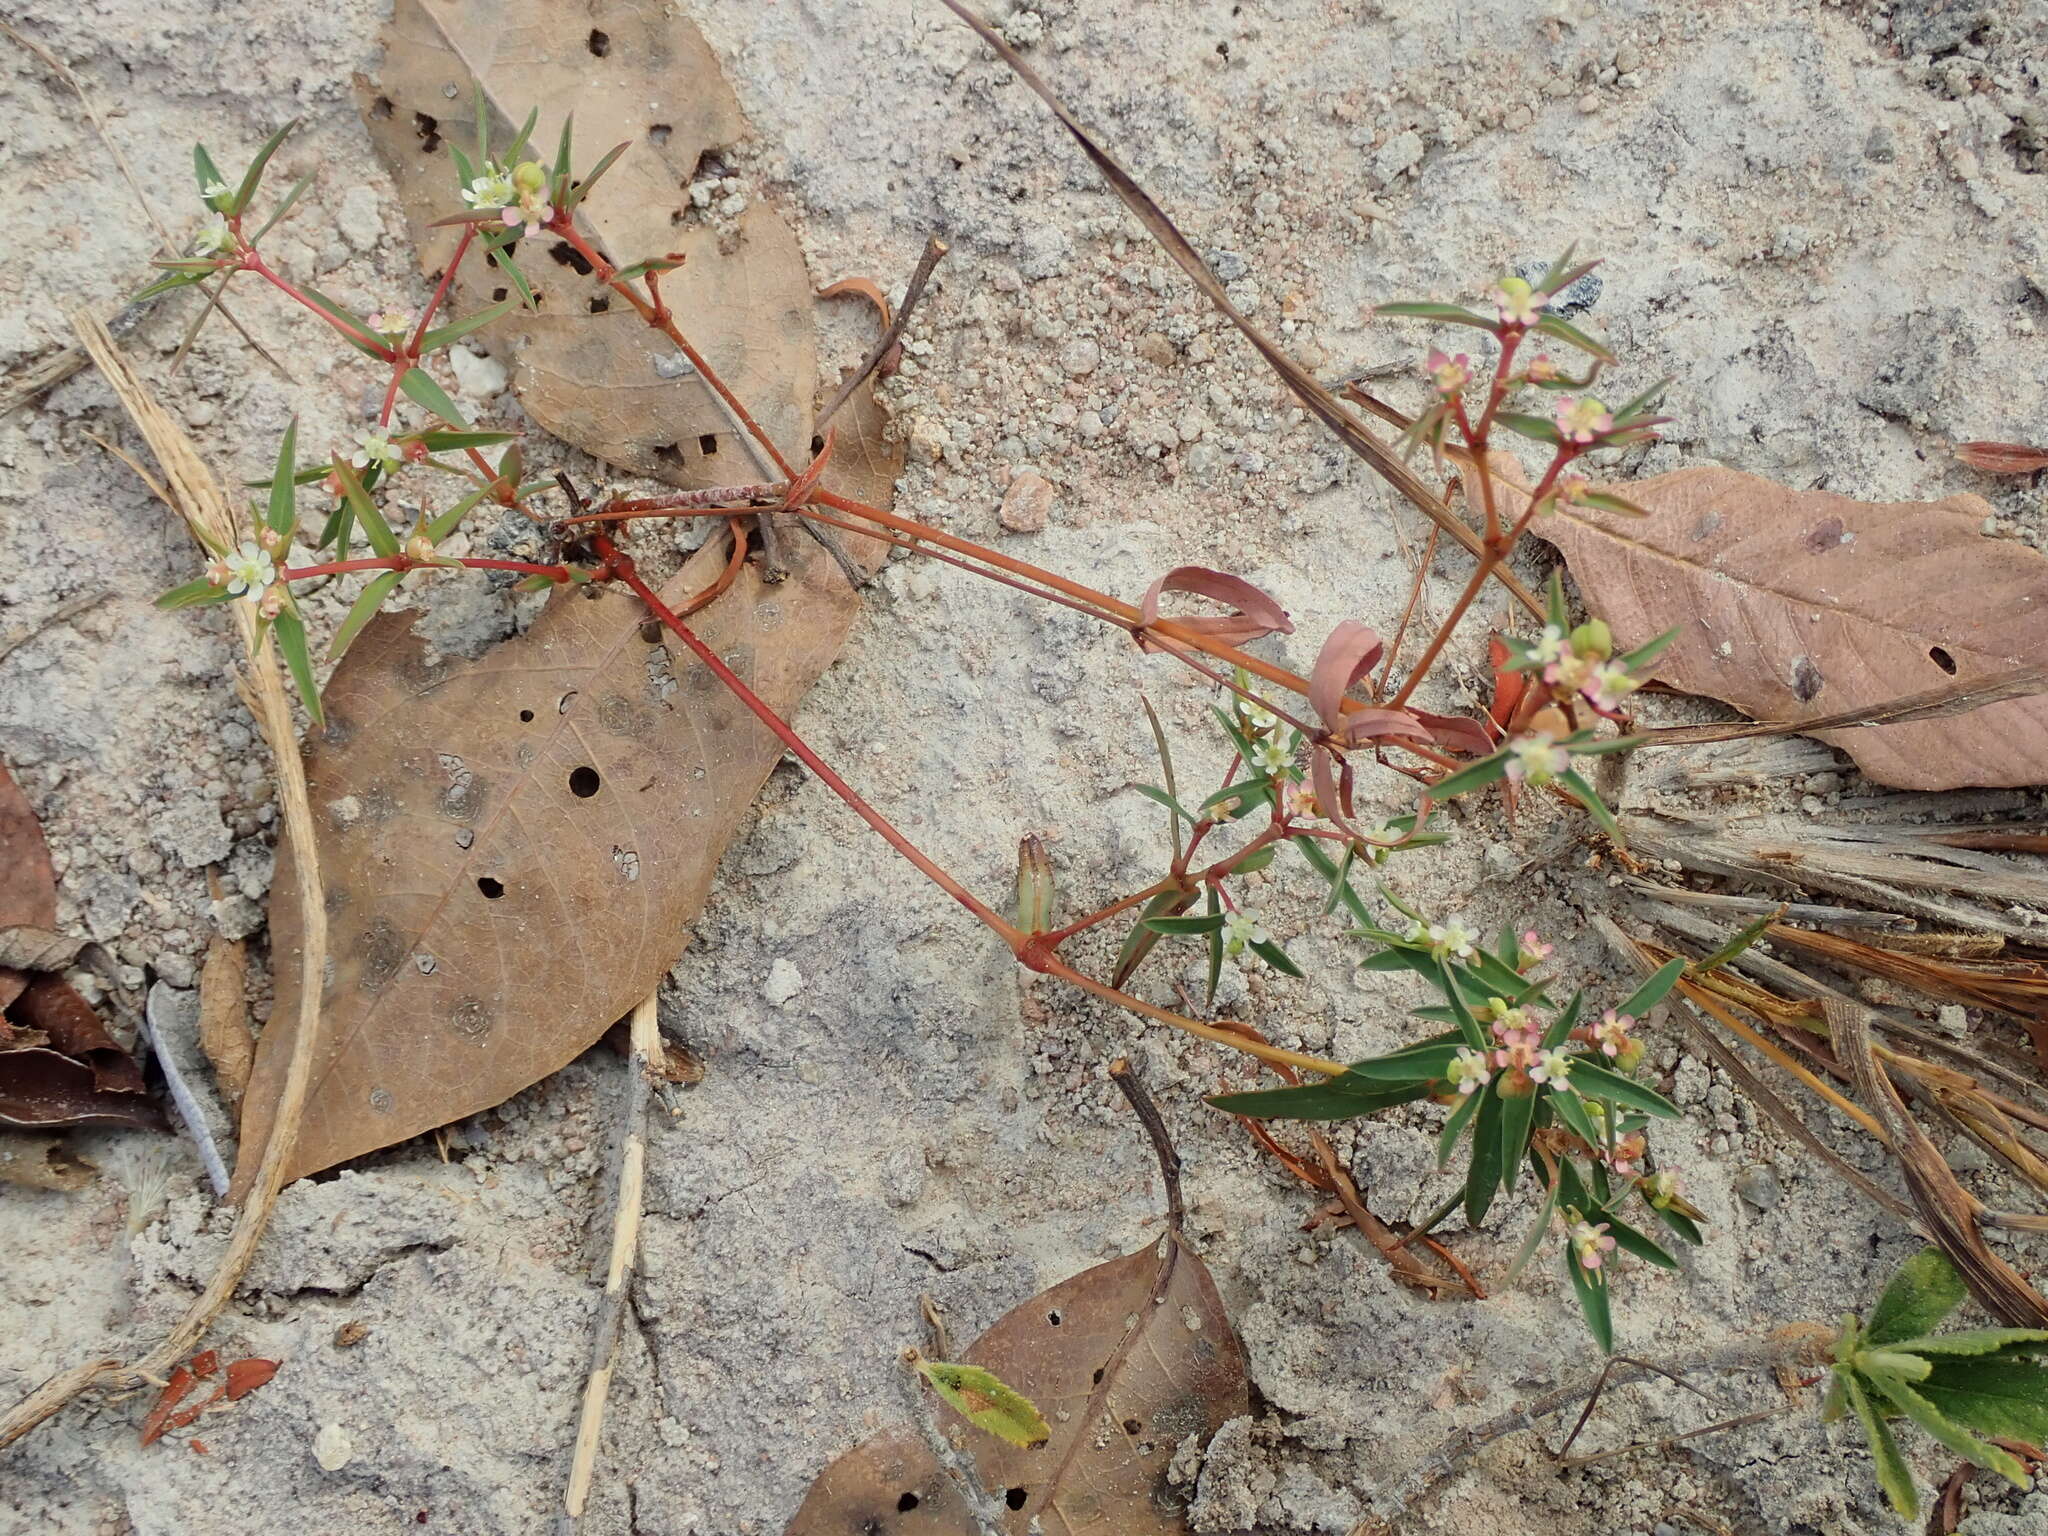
1125	1360
514	846
633	72
1799	605
28	890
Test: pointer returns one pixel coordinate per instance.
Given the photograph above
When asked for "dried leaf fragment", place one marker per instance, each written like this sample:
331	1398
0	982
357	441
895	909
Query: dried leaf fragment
2002	458
28	888
1126	1360
1802	605
224	1016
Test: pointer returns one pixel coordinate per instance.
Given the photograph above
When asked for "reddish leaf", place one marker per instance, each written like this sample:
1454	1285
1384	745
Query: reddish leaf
1347	655
245	1376
73	1028
1456	732
28	890
206	1362
2002	458
174	1391
41	1089
1254	613
1508	687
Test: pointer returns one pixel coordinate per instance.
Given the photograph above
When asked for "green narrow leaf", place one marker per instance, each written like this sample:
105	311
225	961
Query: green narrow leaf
1653	991
1207	923
1562	1026
291	644
1425	1063
1535	428
1924	1291
298	190
1454	1127
1979	1453
1595	806
1161	797
1337	876
1590	1286
355	322
1213	908
1482	1177
1648	652
1570	1110
455	330
1276	957
558	192
1141	940
254	175
502	260
1344	1097
420	388
582	188
1739	943
440	527
1518	1118
1600	1082
363	510
1472	776
1533	1241
1571	335
208	174
193	594
1893	1476
365	609
1450	314
284	501
164	285
1630	1240
1257	860
522	137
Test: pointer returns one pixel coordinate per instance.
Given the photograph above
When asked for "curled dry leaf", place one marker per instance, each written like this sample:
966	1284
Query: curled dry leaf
1801	605
1252	614
1125	1360
2002	458
513	846
224	1016
63	1068
28	889
584	365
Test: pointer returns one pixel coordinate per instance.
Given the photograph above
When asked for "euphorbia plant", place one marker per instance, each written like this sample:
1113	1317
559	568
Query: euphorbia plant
1295	758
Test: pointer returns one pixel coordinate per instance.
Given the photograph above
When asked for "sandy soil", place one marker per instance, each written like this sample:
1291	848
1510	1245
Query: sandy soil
1828	222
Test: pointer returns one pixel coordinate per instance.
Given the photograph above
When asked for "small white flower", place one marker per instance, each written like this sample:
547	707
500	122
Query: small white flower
214	237
1551	1067
1469	1070
250	571
375	448
1270	757
1551	644
533	210
1450	939
1536	759
1607	685
493	189
1256	716
390	322
1240	932
214	189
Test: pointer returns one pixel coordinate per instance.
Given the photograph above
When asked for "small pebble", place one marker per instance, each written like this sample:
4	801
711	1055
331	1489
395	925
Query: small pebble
1026	504
1759	1186
784	982
332	1448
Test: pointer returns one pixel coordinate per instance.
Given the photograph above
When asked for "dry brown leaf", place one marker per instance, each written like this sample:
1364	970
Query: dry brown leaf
1797	605
2002	458
71	1026
41	1162
28	890
224	1016
585	366
513	846
1125	1361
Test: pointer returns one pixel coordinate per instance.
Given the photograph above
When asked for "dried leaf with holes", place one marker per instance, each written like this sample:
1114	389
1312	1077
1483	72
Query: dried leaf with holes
513	846
585	366
1799	605
28	890
1125	1360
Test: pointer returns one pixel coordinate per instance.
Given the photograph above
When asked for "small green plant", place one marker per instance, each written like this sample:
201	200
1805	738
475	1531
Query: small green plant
1967	1389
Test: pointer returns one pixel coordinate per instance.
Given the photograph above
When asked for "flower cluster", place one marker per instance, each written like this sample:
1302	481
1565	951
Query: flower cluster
1583	663
520	195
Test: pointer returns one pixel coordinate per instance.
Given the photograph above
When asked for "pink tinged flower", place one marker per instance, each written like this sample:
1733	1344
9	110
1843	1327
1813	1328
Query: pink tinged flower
1536	759
271	603
1533	951
1542	369
1607	685
1450	374
1518	303
1551	645
1569	673
1590	1243
1551	1067
1661	1188
1469	1070
390	322
1582	420
1572	489
1611	1032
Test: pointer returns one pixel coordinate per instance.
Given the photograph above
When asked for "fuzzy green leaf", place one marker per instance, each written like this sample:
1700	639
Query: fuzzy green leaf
1161	797
1276	957
1630	1240
1212	905
1141	940
1893	1476
1560	1028
1461	1116
1518	1118
1994	1397
1470	777
1970	1341
1535	428
1738	944
1426	1062
582	188
1311	849
364	511
1595	806
1208	923
1924	1291
1979	1453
